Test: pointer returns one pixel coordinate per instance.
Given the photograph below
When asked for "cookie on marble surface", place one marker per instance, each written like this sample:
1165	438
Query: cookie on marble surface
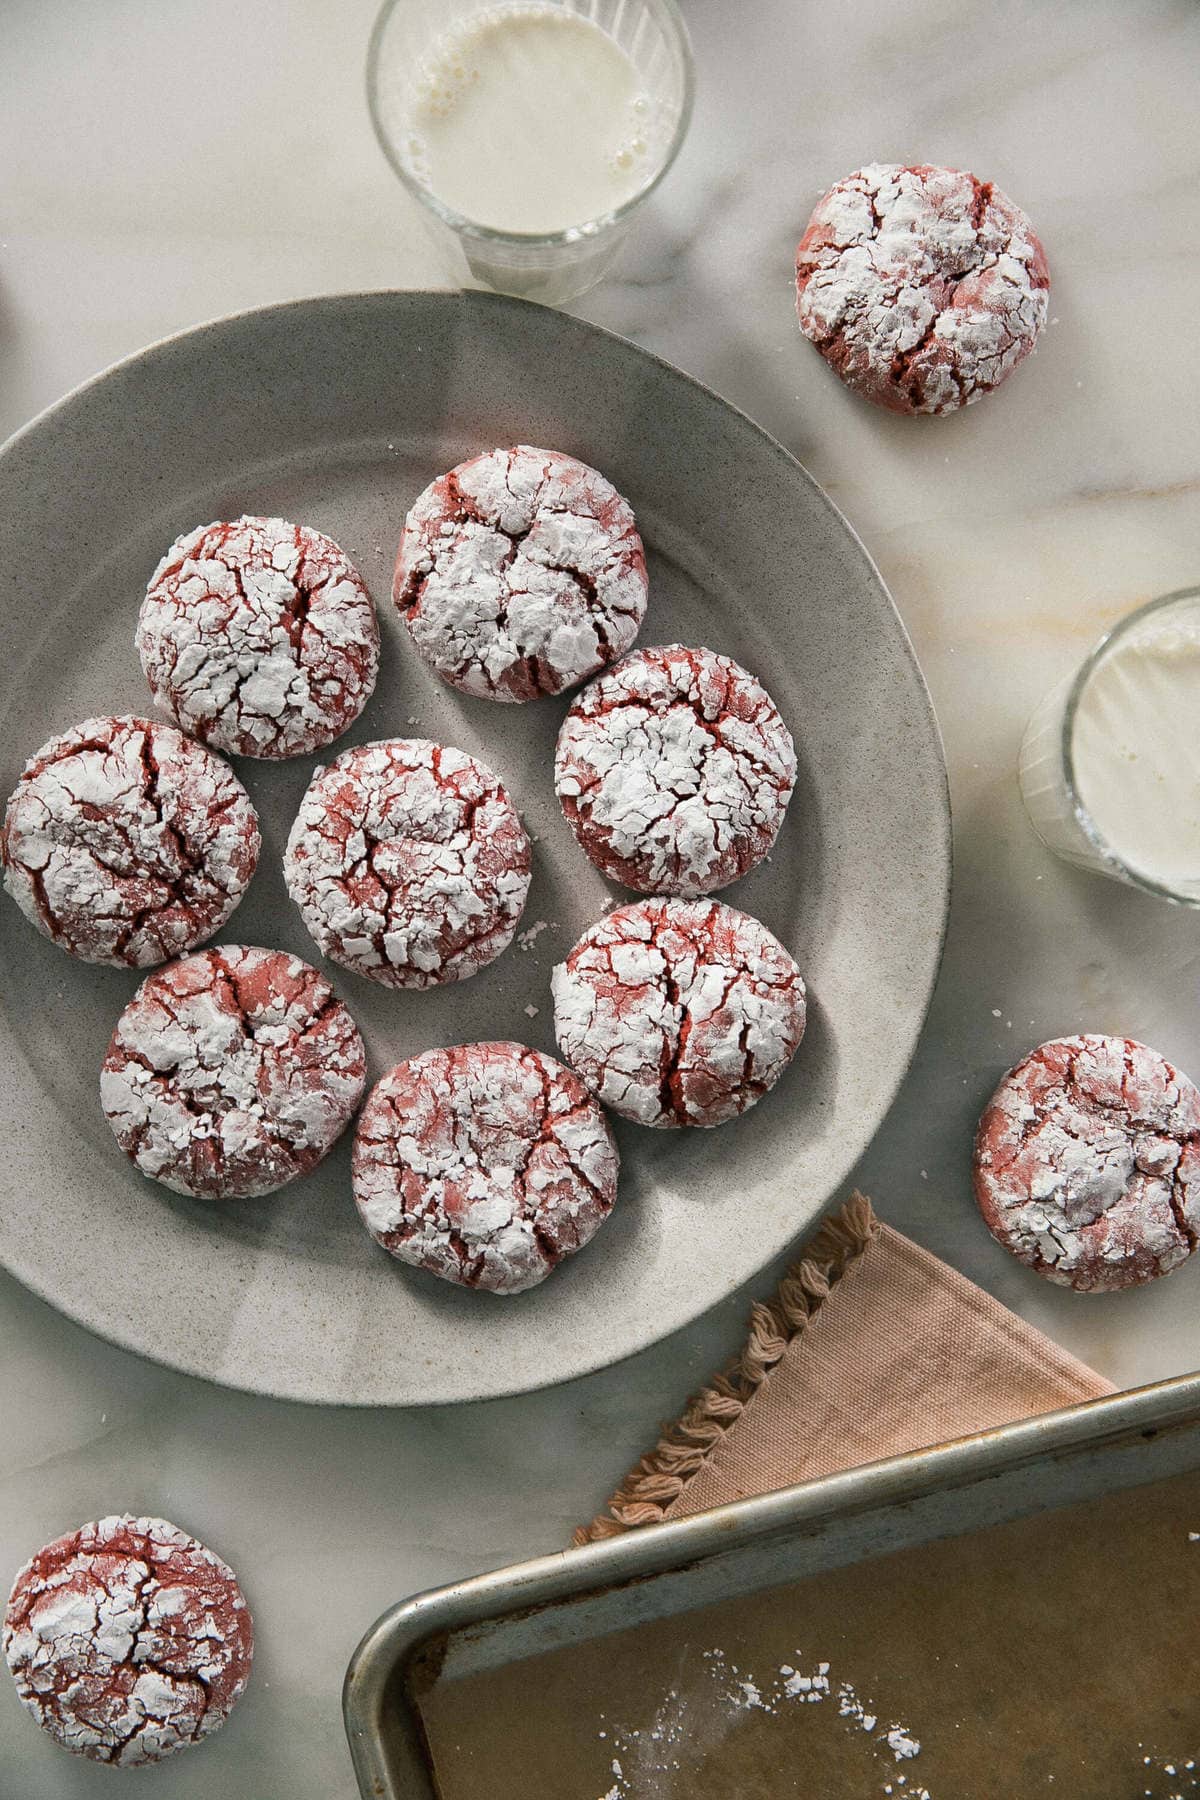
485	1164
679	1012
128	1640
923	287
126	842
520	573
259	637
674	770
1087	1163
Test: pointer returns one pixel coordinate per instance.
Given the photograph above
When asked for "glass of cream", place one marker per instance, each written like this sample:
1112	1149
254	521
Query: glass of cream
530	130
1110	763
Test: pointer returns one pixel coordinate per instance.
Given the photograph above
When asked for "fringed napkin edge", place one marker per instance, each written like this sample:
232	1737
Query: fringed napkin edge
650	1488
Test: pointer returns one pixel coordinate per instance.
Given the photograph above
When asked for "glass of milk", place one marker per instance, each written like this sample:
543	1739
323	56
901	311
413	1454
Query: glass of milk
530	130
1110	764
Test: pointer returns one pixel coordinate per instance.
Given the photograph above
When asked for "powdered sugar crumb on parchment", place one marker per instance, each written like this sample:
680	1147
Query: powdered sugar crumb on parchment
902	1744
687	1725
1182	1774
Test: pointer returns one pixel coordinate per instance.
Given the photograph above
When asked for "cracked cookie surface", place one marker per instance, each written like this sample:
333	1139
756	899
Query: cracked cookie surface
923	287
128	1640
232	1072
126	842
520	573
484	1164
679	1012
259	637
1087	1163
674	770
409	863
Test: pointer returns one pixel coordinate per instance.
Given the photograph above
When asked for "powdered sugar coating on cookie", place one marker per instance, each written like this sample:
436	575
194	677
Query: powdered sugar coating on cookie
923	287
484	1164
126	842
409	863
674	770
679	1012
1087	1163
520	573
259	637
128	1640
232	1072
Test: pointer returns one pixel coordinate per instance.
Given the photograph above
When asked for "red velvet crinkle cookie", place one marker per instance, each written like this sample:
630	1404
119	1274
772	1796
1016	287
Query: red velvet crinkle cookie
232	1072
259	637
520	573
126	842
485	1164
674	770
923	287
128	1640
679	1012
409	863
1087	1163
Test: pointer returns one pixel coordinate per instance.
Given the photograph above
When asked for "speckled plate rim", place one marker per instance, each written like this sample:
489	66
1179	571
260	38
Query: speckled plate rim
92	1317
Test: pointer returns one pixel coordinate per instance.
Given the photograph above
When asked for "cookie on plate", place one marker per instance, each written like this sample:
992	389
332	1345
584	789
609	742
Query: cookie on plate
679	1012
409	863
232	1072
126	842
520	573
485	1164
674	770
259	637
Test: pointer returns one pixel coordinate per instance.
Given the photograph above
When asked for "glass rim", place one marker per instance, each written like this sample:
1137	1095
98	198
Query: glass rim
670	16
1079	681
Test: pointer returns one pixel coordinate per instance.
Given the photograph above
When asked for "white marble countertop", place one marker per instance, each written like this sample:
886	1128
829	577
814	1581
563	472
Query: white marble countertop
167	162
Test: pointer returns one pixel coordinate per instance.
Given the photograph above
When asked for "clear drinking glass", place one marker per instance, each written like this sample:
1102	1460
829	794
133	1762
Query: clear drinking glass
1047	763
557	266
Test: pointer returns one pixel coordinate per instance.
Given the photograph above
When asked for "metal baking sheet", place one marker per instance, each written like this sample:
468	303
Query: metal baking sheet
1007	1602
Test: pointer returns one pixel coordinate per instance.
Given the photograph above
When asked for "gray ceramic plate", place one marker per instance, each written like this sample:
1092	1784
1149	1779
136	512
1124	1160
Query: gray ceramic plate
337	412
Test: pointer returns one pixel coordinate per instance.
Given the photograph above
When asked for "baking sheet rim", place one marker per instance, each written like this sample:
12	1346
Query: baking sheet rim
398	1633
